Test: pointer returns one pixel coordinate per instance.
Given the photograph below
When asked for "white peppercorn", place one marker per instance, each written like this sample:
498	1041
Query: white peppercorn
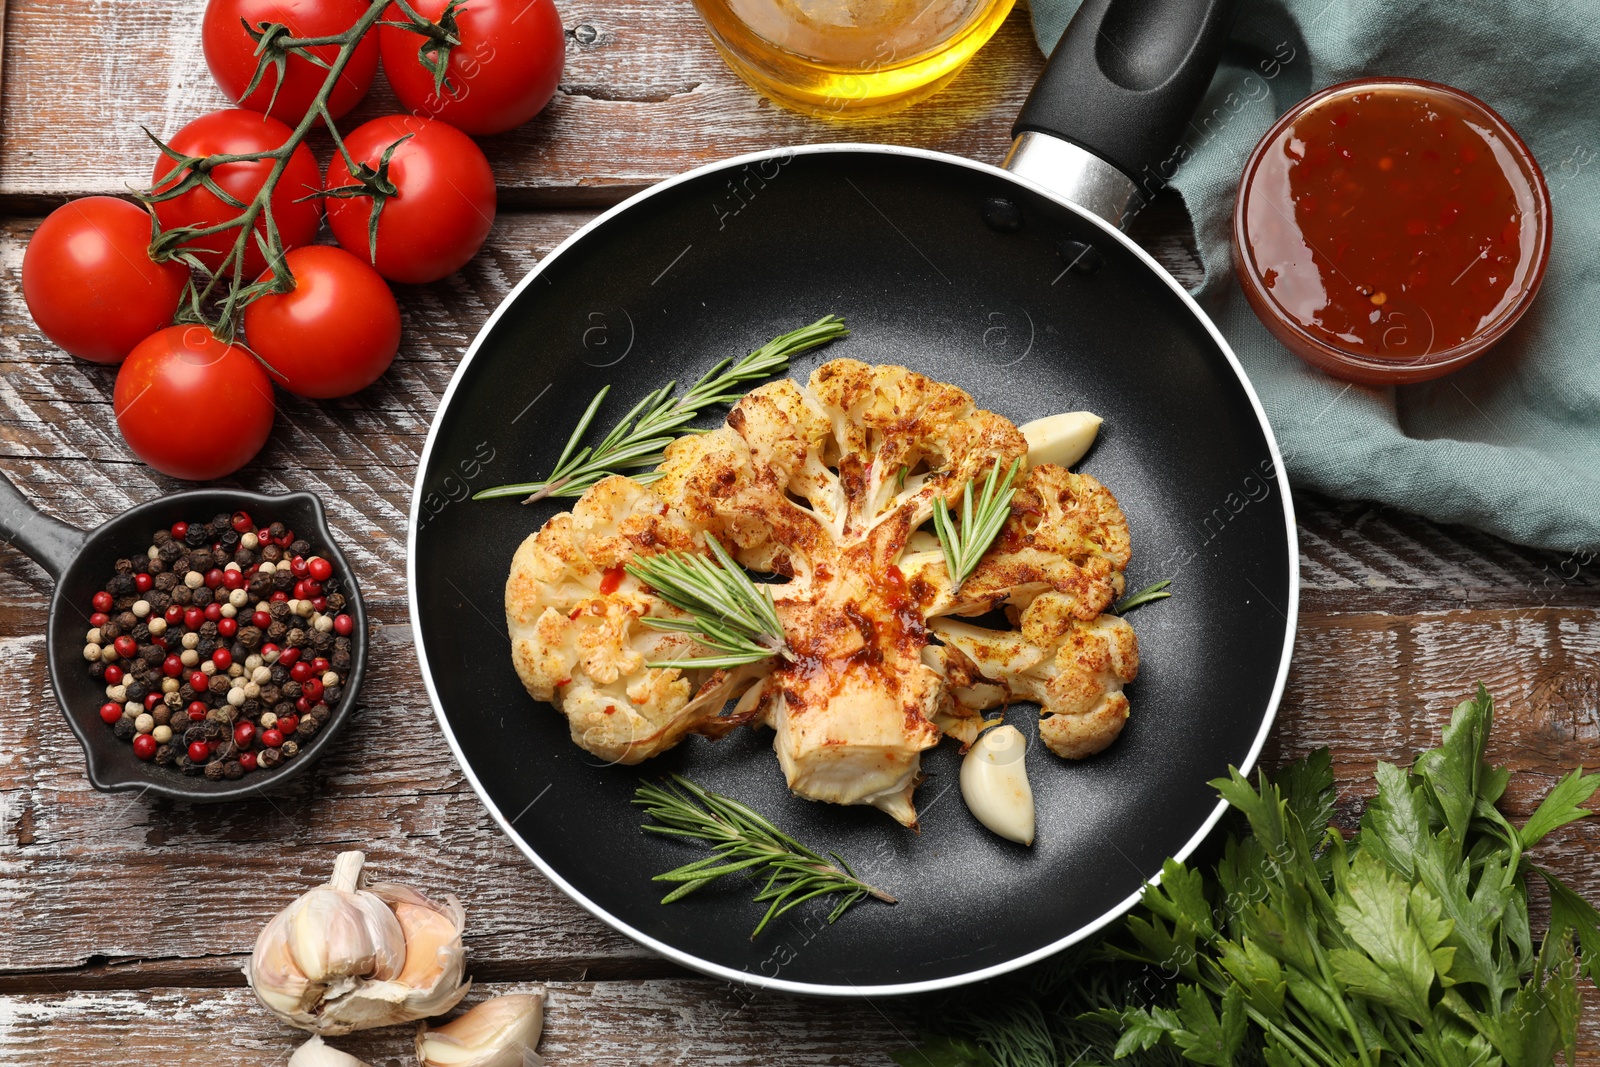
158	626
236	697
188	657
194	579
162	734
141	608
93	637
238	598
144	723
91	652
190	639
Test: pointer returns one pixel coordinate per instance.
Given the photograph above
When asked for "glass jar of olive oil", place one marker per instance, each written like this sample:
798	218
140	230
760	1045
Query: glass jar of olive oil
847	58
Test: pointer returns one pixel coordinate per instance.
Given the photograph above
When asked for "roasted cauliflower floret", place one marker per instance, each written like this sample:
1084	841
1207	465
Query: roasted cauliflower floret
824	487
576	640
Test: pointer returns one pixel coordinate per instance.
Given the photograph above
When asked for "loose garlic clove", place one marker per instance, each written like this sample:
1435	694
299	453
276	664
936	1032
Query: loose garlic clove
497	1033
1060	439
343	958
994	783
316	1054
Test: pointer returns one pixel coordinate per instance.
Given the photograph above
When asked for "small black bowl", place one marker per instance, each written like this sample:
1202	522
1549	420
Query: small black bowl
81	562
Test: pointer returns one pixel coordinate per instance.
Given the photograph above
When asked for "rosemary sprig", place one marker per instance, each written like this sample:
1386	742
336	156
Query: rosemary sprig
965	545
1149	594
729	612
641	436
744	840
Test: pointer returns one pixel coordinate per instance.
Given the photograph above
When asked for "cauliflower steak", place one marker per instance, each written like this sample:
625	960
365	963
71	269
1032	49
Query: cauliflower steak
824	487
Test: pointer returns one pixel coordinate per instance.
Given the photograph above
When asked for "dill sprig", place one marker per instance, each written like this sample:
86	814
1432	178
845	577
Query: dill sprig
743	840
964	545
1149	594
639	439
729	612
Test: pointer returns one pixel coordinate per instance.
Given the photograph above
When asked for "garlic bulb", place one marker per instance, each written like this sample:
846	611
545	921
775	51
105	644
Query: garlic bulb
316	1054
1060	439
343	957
497	1033
994	783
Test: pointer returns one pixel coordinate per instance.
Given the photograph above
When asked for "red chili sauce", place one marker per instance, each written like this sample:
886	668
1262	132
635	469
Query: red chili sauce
1394	221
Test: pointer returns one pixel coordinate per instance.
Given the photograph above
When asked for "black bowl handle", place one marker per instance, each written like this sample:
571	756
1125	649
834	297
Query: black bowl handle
51	543
1101	124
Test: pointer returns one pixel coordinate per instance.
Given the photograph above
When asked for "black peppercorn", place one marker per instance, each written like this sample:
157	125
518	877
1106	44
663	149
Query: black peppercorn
249	637
243	557
219	557
342	644
219	684
233	770
198	535
250	709
335	602
161	714
291	690
332	694
164	754
306	729
155	566
277	530
123	566
123	729
269	758
283	708
136	690
158	601
161	537
170	553
321	641
206	646
182	595
229	539
260	587
165	581
277	632
339	661
279	610
271	553
186	692
97	670
321	713
141	565
300	547
280	674
282	579
126	621
295	638
226	751
214	770
202	596
290	749
270	695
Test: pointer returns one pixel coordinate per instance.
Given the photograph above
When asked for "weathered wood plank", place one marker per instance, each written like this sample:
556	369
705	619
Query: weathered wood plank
605	1024
644	96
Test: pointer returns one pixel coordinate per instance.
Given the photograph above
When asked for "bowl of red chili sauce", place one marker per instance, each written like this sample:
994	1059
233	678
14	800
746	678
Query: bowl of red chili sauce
1391	230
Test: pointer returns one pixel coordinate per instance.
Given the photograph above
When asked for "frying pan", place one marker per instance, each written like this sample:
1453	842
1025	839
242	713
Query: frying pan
1015	285
80	562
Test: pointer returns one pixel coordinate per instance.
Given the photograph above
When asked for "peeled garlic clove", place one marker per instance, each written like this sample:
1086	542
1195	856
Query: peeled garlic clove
497	1033
316	1054
1060	439
994	783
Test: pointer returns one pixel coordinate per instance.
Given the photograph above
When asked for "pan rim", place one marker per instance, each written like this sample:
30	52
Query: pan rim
748	978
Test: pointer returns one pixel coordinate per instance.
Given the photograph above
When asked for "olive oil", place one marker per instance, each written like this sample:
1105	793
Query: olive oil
847	58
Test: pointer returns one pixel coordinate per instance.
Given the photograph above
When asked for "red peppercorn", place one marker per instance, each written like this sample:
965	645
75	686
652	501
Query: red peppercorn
151	700
144	746
300	592
227	627
172	666
102	601
298	567
193	617
233	579
263	536
319	603
343	625
222	658
198	681
286	540
174	615
197	710
213	611
268	649
244	733
213	577
271	738
311	689
99	618
113	675
319	568
320	666
199	752
288	656
278	597
247	760
241	521
303	706
159	642
180	530
287	724
261	620
126	646
143	582
110	712
300	671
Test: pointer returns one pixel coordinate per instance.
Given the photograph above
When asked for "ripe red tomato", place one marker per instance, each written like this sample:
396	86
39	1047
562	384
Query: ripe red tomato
443	208
236	131
230	53
334	334
90	283
192	406
504	71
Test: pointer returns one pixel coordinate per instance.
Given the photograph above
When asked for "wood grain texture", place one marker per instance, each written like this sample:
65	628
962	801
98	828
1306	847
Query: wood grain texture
644	96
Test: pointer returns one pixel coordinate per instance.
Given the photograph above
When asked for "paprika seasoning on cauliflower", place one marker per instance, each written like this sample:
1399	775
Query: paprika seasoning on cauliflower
826	485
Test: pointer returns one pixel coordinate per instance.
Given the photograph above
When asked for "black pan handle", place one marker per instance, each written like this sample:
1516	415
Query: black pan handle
52	544
1121	85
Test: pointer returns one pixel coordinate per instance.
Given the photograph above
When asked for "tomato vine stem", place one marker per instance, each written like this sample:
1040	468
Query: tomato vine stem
190	172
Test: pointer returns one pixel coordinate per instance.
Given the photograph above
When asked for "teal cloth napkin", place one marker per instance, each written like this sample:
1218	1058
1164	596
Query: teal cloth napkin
1510	444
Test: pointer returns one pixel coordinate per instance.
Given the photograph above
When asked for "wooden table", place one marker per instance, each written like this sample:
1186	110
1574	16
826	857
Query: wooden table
126	921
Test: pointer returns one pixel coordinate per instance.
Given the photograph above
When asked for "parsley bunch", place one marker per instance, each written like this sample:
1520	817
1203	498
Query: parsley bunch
1406	944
